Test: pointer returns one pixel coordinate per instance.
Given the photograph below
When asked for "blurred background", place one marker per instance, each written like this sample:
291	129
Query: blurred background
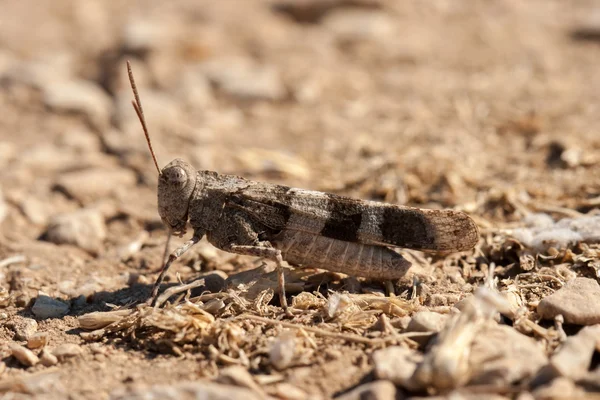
492	107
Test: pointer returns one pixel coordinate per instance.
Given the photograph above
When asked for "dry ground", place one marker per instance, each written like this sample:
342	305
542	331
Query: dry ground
491	107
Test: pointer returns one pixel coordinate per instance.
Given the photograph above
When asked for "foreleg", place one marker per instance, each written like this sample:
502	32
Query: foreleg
172	257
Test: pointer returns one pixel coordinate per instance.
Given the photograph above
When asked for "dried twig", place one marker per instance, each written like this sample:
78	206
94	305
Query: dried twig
336	335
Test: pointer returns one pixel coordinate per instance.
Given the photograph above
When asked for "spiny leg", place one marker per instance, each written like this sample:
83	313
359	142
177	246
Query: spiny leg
166	252
273	254
172	257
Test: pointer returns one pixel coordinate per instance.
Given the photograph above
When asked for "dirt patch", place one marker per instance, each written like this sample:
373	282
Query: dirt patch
491	108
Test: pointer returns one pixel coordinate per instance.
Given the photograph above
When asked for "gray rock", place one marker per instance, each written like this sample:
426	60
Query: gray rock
47	307
578	302
185	390
501	356
378	390
397	364
214	281
83	228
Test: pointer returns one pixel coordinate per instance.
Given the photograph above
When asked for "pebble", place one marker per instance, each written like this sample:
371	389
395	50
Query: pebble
142	35
397	364
79	301
283	350
243	79
574	357
501	356
80	140
378	390
287	391
35	210
427	321
47	307
351	25
559	388
22	300
185	390
67	350
48	359
37	340
214	282
239	376
83	228
89	185
80	96
36	74
194	89
24	328
23	355
578	301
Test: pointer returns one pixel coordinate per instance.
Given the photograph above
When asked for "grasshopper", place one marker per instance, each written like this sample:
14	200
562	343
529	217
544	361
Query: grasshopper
302	227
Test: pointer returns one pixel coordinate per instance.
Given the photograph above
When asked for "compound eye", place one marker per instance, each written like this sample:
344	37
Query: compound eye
176	176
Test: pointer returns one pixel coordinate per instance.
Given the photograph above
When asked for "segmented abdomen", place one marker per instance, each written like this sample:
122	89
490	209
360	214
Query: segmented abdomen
350	258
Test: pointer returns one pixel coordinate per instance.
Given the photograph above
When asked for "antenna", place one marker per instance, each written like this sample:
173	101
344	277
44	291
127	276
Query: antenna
137	105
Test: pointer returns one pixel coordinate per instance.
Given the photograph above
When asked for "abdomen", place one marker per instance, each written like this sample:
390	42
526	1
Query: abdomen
357	259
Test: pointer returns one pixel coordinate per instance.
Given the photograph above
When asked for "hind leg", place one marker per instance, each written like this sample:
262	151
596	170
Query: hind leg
272	254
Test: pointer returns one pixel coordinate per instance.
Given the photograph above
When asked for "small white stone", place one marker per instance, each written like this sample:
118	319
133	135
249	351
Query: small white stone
283	350
24	328
427	321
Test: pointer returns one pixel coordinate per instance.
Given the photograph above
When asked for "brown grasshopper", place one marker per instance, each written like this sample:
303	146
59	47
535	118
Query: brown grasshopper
302	227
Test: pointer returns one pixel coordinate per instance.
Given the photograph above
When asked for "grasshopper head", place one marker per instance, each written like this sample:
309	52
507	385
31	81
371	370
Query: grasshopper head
176	185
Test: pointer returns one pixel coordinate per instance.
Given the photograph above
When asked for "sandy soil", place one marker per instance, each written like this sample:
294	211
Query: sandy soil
490	107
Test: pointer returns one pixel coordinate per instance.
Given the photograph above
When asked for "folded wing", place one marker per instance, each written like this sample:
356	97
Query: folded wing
343	218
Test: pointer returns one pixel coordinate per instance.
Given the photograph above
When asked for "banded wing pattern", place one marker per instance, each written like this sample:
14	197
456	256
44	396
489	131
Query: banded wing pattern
352	220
